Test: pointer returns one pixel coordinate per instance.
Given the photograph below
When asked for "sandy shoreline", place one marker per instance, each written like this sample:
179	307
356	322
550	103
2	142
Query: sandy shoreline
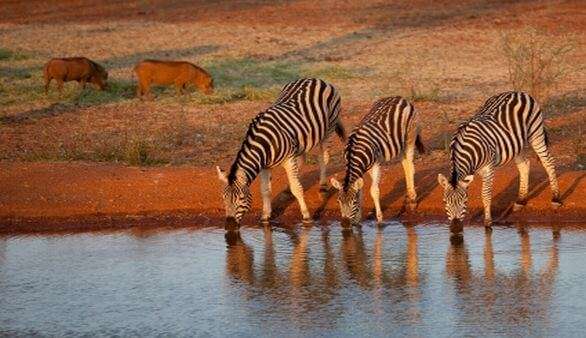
72	196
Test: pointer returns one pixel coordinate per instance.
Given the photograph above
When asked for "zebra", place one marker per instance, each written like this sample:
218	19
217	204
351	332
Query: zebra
302	118
388	130
494	136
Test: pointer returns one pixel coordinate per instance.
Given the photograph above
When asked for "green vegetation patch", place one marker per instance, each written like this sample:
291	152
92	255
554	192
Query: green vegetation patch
7	54
332	72
254	79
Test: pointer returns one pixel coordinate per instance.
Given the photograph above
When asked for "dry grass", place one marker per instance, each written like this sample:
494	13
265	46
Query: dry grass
445	62
537	62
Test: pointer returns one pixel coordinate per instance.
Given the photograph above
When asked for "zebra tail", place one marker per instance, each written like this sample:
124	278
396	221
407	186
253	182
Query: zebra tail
419	145
340	131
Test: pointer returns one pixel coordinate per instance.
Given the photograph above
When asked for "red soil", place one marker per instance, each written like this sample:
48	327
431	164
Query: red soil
67	196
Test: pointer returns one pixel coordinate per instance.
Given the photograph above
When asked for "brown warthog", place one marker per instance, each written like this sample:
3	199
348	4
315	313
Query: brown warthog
180	73
78	69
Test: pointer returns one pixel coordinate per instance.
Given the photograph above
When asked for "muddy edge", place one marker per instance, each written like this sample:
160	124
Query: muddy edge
70	196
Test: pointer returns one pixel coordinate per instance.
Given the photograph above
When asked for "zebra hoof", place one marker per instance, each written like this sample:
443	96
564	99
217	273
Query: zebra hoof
487	223
518	206
556	204
456	227
370	216
411	206
307	220
488	230
265	220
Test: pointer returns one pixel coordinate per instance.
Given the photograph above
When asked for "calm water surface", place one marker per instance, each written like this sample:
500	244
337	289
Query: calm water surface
300	281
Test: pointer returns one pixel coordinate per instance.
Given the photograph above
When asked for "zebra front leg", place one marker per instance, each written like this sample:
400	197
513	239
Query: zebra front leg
375	191
487	178
292	168
523	164
323	160
540	147
265	190
409	169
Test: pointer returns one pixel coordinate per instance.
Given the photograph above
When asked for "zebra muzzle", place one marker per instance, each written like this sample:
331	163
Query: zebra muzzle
231	224
457	226
346	223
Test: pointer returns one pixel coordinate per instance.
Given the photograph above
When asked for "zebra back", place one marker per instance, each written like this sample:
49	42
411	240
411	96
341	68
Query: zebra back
304	115
497	132
380	136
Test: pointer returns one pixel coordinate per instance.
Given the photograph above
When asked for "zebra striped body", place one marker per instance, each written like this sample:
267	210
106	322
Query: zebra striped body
303	116
388	130
495	135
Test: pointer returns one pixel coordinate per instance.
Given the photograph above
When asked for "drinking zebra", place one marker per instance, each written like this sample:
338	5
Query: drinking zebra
388	130
495	135
302	118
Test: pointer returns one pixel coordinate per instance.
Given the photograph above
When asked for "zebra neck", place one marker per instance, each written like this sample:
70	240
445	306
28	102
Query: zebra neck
463	166
360	156
250	160
349	181
242	172
471	149
459	174
243	177
356	170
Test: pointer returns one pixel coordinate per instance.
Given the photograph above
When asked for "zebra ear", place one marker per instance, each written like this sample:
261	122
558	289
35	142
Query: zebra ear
443	181
222	175
358	184
466	181
336	184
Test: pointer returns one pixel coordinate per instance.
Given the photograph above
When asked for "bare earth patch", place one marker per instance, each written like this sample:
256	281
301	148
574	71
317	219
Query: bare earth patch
66	196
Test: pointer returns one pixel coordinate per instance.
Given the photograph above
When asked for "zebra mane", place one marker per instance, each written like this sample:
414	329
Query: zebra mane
348	156
454	174
454	178
249	133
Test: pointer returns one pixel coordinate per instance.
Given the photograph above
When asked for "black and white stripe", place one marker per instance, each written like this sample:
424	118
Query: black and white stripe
495	135
388	130
306	112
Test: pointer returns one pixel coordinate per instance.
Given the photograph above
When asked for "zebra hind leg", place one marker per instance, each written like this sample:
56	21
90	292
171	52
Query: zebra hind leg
265	190
523	164
323	160
292	168
541	148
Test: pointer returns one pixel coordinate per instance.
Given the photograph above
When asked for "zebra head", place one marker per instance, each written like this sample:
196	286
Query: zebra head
350	200
455	199
237	198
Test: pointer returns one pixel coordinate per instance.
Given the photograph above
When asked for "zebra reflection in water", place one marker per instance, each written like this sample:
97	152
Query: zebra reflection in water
520	298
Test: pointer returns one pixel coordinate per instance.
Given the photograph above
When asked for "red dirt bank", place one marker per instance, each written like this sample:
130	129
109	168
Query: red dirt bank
67	196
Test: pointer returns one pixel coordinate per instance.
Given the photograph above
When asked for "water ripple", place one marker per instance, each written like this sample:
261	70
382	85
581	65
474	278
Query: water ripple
296	280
